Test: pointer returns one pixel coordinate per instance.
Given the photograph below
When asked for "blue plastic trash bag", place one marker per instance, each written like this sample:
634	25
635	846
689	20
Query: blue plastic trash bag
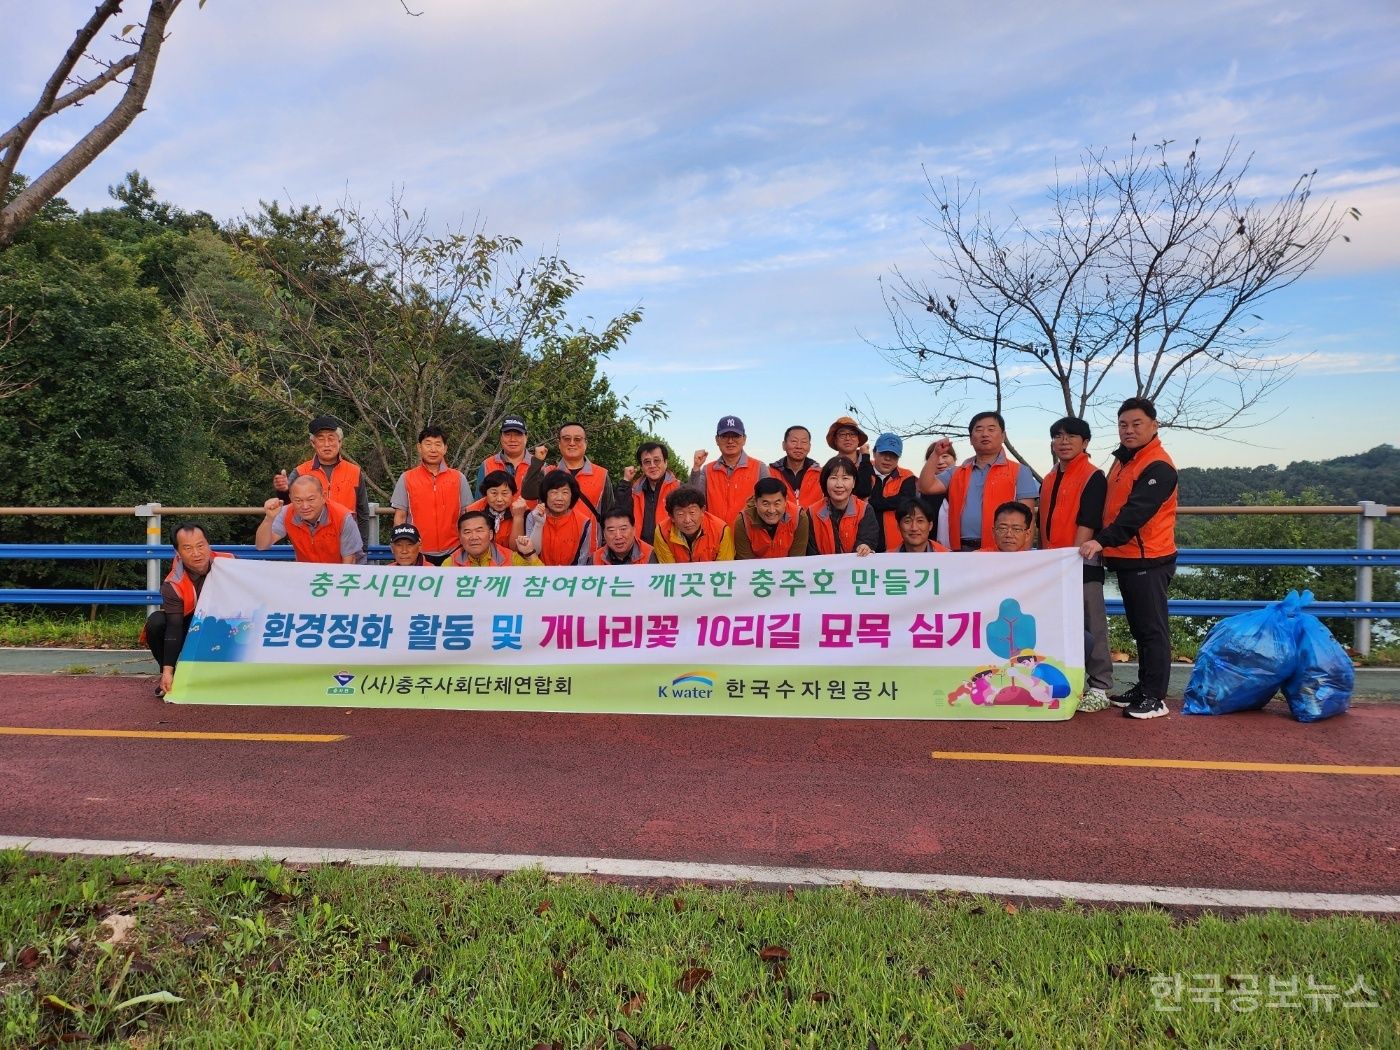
1321	685
1246	659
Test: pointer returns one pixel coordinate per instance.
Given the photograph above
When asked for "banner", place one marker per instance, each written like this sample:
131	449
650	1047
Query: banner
996	636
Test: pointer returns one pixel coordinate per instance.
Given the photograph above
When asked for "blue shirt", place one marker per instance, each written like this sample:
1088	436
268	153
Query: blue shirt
970	524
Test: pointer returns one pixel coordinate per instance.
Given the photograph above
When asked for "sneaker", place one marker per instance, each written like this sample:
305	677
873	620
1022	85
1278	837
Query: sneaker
1094	700
1125	698
1145	707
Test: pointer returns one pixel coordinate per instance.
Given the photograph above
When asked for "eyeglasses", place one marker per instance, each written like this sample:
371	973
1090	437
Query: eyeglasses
1010	529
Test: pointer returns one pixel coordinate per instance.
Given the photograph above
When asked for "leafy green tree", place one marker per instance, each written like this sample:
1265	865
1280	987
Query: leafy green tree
108	405
392	328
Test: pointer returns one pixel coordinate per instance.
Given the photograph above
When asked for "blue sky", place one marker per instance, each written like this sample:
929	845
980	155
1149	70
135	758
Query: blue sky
745	172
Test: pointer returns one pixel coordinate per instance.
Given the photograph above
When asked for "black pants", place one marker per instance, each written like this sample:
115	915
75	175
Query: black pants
155	638
1145	606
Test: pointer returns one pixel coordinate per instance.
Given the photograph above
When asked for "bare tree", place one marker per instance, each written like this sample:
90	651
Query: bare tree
1142	279
402	327
137	66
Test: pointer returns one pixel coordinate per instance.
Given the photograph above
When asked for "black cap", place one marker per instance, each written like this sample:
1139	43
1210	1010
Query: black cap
321	423
405	532
513	423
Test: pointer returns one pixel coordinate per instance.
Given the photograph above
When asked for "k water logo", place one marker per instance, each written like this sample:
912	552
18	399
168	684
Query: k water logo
693	685
342	686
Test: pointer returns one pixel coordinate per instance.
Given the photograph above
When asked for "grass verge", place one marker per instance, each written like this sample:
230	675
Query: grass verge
221	955
53	628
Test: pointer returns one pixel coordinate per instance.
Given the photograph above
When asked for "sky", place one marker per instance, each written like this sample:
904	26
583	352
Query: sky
745	174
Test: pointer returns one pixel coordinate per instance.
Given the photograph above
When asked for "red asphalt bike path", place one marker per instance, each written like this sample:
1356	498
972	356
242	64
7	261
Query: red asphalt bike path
781	792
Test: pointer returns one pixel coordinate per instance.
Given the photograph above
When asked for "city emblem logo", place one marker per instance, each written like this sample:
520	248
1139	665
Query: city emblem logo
342	686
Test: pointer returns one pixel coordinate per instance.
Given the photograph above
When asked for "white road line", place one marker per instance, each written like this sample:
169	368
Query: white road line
684	871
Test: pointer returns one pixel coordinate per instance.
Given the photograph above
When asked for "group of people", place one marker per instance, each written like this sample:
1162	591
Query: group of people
522	509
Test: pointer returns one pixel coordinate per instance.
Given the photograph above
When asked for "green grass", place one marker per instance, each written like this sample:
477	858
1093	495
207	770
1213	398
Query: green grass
52	628
263	955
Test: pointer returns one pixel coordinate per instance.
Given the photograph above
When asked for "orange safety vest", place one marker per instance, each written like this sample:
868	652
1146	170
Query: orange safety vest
641	553
434	504
495	555
322	546
727	491
503	529
561	537
705	547
1156	539
592	480
891	521
999	488
825	535
809	491
497	462
778	545
178	578
1059	530
933	547
340	486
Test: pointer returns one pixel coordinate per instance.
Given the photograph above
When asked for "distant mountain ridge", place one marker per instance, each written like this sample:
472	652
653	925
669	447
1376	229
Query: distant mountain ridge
1371	475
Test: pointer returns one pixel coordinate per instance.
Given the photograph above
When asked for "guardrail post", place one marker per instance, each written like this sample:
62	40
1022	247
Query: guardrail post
372	540
1365	541
151	512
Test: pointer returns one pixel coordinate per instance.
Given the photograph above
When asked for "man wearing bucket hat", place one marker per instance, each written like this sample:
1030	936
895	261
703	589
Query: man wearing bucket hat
728	482
849	441
342	480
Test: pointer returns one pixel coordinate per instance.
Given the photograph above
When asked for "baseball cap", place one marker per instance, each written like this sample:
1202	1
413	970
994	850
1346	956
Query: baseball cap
888	442
730	425
321	423
512	423
405	532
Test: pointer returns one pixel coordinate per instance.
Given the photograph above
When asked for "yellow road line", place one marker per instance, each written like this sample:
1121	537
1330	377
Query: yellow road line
1170	763
142	734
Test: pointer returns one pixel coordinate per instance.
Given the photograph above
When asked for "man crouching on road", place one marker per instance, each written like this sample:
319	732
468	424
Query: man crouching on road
165	630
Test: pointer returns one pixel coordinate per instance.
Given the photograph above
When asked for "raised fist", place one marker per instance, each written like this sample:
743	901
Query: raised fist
629	474
518	507
280	482
272	506
699	460
541	452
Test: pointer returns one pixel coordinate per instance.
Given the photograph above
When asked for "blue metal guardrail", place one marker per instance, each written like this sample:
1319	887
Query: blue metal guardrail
1178	607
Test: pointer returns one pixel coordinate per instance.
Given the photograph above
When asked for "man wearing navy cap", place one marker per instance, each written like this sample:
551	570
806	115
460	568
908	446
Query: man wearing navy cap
512	457
342	480
407	546
728	482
